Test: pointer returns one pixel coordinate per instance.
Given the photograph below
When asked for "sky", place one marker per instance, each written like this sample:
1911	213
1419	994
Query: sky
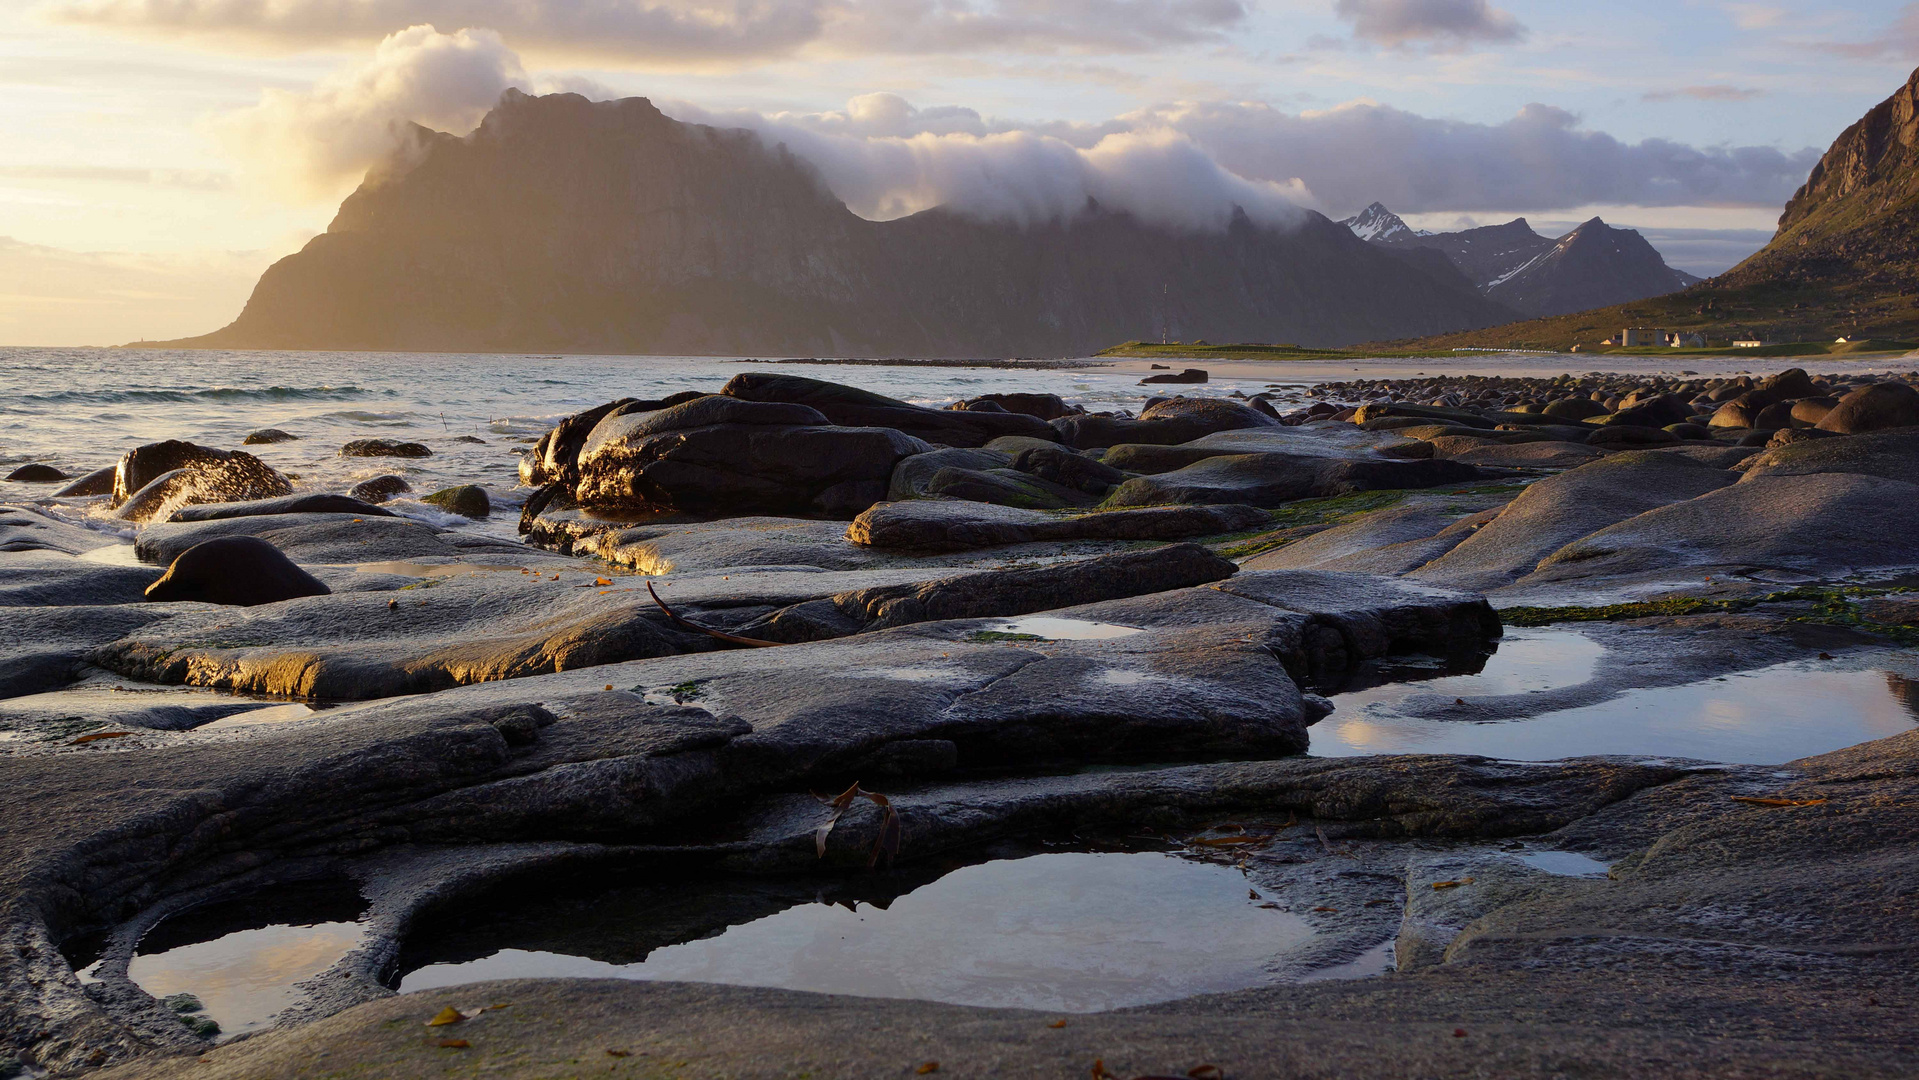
159	154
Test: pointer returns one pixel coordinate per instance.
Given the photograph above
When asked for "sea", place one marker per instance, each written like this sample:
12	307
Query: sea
79	409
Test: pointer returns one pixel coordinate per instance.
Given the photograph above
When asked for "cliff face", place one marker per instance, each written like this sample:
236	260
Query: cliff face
568	225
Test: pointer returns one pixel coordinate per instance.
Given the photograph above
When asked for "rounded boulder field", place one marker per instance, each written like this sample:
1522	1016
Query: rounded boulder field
240	571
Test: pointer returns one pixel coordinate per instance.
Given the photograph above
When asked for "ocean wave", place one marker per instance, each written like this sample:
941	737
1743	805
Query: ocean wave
212	393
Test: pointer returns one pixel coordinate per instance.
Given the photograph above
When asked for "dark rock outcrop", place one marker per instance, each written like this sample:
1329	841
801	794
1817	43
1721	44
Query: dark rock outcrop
243	571
380	488
385	448
36	473
467	500
267	436
851	407
1873	408
97	482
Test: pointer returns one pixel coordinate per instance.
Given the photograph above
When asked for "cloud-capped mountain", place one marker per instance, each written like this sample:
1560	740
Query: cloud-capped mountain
1592	266
562	224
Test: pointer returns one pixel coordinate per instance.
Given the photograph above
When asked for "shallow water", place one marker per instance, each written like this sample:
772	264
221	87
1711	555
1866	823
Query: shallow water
1075	932
1054	629
1762	717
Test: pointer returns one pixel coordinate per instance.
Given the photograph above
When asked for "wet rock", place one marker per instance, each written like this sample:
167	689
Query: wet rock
234	477
385	448
266	436
725	455
1892	454
1188	375
236	570
48	578
1374	616
939	525
467	500
915	472
36	473
27	529
1554	512
555	458
143	465
1390	541
97	482
1270	480
289	504
995	594
674	547
380	488
849	407
1873	408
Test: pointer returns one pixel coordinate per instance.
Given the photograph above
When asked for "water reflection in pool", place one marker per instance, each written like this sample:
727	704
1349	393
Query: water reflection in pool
1065	931
1761	717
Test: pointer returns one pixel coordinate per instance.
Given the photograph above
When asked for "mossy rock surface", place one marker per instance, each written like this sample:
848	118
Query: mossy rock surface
467	500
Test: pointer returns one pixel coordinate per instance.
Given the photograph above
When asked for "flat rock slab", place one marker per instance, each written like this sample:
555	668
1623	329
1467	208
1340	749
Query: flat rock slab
932	525
46	578
321	538
1271	480
25	529
42	648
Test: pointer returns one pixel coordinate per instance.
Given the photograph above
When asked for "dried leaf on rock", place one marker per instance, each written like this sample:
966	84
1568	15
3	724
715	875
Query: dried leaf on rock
1206	1072
1452	884
891	830
98	735
454	1044
619	1053
448	1015
928	1067
1057	1024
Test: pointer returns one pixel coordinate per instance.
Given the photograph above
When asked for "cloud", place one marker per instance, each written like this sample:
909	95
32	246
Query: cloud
1715	92
886	159
1900	41
114	174
694	32
1541	159
311	144
1441	24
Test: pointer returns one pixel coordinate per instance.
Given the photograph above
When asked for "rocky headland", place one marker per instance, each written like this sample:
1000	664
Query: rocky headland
1006	626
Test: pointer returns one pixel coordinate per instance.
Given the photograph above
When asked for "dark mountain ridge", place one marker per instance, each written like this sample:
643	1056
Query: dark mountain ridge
1592	266
567	225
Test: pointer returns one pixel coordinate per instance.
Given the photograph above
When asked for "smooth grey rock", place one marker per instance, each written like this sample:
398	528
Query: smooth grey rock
935	525
27	529
1891	454
47	578
1059	465
1150	458
1873	408
42	648
289	504
994	593
97	482
319	538
467	500
1555	511
1006	487
1271	480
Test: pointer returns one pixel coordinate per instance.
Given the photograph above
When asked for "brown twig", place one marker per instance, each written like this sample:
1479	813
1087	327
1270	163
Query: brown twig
696	627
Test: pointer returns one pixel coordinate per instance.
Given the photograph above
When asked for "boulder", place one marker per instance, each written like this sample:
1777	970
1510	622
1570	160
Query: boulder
1617	436
1464	417
1006	487
1873	408
556	456
733	456
384	448
266	436
995	593
1013	444
142	465
1061	466
235	477
1271	480
1215	414
467	500
1167	422
242	571
380	488
850	407
1555	511
1892	454
1190	375
1774	416
36	473
1149	458
1530	455
1044	406
97	482
1788	436
1389	541
1807	412
1655	411
935	525
290	504
913	473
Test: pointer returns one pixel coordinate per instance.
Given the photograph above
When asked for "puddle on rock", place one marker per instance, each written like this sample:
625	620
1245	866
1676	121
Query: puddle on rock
1071	931
112	555
244	959
1762	717
1055	629
1526	661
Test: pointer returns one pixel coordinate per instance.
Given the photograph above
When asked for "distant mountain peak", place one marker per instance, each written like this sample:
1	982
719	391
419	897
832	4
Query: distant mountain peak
1379	225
